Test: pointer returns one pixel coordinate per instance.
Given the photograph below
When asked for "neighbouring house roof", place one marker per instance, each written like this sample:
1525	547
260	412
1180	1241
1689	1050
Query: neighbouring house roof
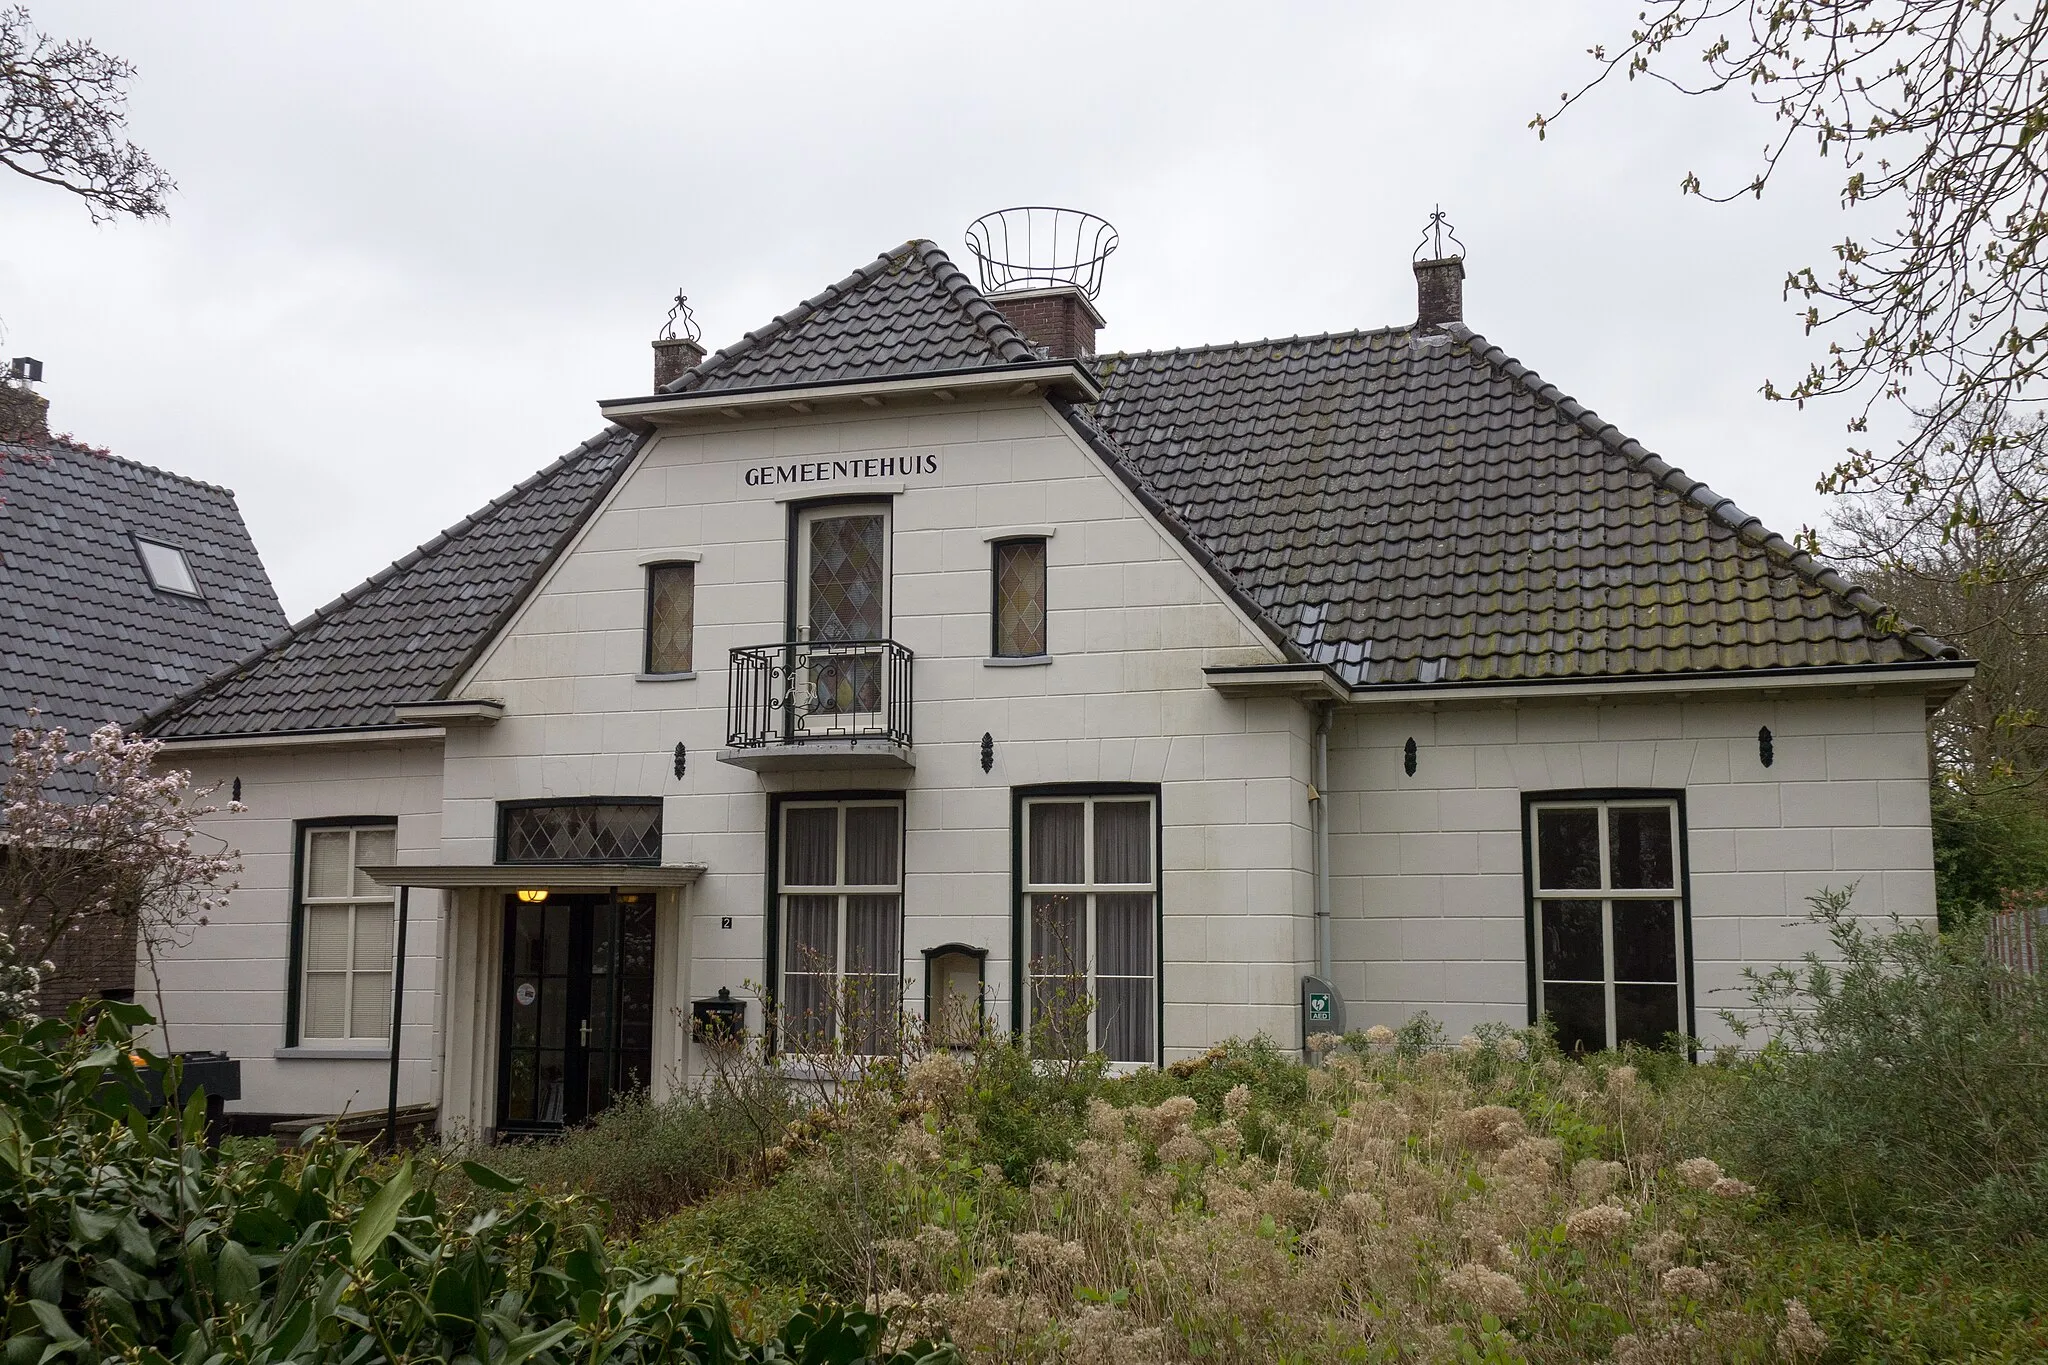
1405	509
85	638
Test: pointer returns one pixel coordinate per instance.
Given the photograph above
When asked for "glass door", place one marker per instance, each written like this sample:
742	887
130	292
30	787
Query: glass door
842	603
577	1012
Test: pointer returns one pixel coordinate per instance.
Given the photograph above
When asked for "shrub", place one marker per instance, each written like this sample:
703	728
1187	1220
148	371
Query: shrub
124	1238
1901	1086
646	1159
1985	845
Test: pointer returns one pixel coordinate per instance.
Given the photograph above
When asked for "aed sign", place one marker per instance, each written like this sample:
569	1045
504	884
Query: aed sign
1318	1007
859	469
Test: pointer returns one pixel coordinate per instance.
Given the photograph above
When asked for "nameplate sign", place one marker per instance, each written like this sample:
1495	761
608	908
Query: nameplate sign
860	469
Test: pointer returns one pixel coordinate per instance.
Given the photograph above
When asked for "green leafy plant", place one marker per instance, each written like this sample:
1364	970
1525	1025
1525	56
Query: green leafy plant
124	1238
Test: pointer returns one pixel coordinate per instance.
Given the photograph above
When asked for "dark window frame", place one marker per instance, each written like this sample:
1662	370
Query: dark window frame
1018	937
995	594
771	884
137	540
498	851
647	619
295	950
1683	852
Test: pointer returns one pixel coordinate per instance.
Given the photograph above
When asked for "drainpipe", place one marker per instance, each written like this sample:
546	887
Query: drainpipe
1319	811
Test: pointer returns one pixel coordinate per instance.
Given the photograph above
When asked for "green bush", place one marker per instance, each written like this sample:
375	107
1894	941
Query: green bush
647	1159
1983	847
124	1238
1026	1113
1902	1086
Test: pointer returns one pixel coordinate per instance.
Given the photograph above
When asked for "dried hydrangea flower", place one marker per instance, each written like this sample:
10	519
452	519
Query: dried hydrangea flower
1237	1102
1487	1289
1598	1223
1728	1187
1699	1172
1688	1282
1801	1336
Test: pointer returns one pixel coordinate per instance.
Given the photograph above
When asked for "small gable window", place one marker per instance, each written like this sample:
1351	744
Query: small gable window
167	568
671	618
1020	599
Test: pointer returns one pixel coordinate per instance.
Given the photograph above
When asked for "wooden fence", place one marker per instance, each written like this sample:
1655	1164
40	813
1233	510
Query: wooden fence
2016	937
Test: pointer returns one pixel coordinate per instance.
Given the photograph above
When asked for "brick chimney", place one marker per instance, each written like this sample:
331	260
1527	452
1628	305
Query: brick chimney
1060	321
24	413
1439	293
675	357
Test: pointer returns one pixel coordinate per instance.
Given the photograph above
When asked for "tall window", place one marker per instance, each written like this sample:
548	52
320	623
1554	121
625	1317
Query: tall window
671	618
346	934
1019	599
841	889
1608	922
1091	922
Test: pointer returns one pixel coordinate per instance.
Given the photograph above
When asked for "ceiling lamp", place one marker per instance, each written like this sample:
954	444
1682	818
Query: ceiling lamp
532	897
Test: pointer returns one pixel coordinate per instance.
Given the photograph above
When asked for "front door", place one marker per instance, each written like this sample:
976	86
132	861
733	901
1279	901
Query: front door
577	1023
842	603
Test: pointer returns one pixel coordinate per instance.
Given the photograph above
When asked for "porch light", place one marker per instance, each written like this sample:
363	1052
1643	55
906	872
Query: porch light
534	897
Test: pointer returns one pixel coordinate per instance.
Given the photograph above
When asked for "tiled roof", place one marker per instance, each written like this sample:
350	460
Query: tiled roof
413	627
1417	509
84	637
909	311
1404	509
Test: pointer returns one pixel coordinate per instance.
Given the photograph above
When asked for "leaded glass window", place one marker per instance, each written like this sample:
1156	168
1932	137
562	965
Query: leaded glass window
1019	599
1090	898
841	888
1607	904
671	618
345	934
848	579
620	831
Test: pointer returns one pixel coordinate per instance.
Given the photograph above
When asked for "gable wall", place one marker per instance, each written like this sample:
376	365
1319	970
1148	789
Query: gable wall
1132	623
1428	886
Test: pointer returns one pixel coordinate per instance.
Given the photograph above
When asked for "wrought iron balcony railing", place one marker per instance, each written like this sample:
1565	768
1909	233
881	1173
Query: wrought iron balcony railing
804	691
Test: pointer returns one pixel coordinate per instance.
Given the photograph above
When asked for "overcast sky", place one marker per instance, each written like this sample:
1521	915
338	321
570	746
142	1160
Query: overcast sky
414	244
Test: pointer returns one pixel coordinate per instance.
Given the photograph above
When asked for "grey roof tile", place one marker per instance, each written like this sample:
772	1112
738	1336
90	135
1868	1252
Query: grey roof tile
1402	508
84	636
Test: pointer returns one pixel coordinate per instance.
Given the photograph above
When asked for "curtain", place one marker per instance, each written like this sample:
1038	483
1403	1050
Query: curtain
872	846
1123	843
873	970
1058	853
810	846
810	953
1124	976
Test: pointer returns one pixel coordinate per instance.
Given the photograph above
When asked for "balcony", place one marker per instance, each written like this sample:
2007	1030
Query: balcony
818	706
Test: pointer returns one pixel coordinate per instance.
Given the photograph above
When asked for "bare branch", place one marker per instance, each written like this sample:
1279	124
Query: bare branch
63	108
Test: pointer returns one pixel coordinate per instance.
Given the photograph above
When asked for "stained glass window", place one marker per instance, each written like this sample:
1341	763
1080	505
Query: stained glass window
671	617
848	578
623	831
1020	599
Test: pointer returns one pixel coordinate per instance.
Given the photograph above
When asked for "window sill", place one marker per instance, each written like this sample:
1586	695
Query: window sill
332	1054
1027	661
664	677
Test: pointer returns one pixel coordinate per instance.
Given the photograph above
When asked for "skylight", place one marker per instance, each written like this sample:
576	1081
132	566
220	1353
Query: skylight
166	567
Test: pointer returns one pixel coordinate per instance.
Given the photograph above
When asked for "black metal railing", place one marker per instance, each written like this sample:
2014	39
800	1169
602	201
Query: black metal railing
803	691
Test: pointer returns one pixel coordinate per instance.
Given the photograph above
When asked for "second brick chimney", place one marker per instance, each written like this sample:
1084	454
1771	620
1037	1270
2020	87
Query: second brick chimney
675	357
1060	321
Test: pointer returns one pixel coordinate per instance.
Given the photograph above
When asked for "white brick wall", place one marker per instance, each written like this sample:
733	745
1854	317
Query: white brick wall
1132	623
226	988
1428	891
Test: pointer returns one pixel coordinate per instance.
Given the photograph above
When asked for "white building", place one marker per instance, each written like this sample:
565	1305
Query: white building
910	651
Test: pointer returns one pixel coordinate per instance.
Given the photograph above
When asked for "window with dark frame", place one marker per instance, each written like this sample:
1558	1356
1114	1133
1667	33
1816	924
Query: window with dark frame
1608	923
1090	907
1019	602
671	618
346	942
167	567
840	898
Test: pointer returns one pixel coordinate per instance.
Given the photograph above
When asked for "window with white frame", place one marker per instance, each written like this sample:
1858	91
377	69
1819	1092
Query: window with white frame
1090	902
1608	924
346	939
840	896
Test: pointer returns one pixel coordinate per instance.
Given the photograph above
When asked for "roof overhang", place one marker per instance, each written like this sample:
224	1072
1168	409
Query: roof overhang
451	711
1938	679
384	736
549	876
1051	378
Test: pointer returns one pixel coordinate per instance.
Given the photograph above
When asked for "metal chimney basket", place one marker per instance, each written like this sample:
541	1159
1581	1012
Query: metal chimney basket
1040	247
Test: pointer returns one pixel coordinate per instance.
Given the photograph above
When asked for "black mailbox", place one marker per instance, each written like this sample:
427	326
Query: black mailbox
218	1074
718	1018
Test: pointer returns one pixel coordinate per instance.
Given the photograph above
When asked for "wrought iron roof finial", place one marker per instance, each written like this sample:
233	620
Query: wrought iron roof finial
1039	246
1433	236
679	312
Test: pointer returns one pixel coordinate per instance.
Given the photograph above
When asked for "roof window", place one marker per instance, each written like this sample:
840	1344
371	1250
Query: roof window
167	567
